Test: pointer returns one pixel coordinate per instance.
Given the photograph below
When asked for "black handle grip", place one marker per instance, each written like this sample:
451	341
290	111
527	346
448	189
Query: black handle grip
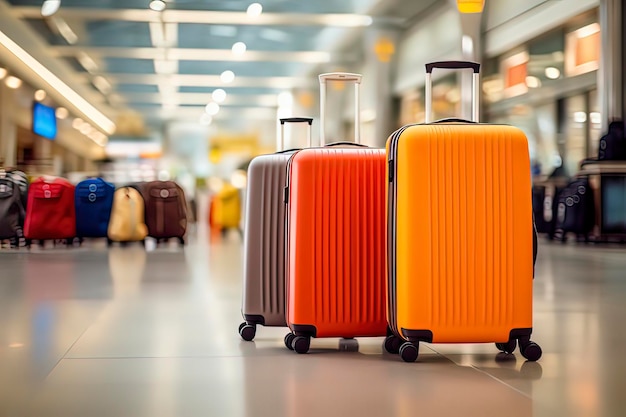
350	144
452	120
297	120
475	66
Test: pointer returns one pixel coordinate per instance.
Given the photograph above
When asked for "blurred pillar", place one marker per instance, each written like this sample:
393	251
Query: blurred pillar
471	25
610	75
8	129
380	50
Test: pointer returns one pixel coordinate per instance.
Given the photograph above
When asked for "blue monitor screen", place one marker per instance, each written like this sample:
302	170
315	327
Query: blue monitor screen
44	121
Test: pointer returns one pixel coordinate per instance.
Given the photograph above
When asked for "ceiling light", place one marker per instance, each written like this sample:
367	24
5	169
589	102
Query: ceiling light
102	84
87	62
62	113
580	117
86	129
40	95
285	99
533	82
157	5
227	77
55	83
3	73
13	82
553	73
219	95
65	30
162	66
254	10
212	108
239	48
78	123
205	119
50	7
595	117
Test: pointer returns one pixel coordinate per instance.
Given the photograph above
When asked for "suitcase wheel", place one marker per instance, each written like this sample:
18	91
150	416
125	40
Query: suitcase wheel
392	344
301	344
109	242
181	241
508	347
531	351
409	351
247	331
289	340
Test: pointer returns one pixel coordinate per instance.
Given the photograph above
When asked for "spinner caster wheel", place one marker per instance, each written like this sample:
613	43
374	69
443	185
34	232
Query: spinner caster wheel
531	351
508	347
289	340
181	241
247	331
409	352
392	344
301	344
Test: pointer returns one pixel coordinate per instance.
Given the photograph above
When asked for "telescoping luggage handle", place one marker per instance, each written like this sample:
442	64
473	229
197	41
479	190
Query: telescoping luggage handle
281	140
474	66
347	77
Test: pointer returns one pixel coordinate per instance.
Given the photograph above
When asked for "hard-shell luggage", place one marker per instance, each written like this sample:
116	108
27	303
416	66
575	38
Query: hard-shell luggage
50	212
576	209
94	200
127	221
460	233
335	238
11	209
166	210
264	239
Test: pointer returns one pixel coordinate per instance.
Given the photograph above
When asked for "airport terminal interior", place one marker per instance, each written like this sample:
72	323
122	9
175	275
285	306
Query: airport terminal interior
161	112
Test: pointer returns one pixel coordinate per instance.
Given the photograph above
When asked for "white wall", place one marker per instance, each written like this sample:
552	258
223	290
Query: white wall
509	23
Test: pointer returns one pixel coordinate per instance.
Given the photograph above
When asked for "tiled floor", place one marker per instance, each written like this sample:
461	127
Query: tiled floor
94	332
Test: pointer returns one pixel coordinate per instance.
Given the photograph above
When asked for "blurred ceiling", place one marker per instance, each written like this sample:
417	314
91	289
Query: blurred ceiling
166	65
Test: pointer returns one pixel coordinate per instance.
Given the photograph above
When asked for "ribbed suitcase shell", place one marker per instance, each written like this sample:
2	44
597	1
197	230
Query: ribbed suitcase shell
336	243
461	246
264	241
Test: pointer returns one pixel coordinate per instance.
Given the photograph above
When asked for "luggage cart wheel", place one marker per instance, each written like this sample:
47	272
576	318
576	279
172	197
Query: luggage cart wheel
289	340
508	347
247	331
301	344
392	344
409	352
531	351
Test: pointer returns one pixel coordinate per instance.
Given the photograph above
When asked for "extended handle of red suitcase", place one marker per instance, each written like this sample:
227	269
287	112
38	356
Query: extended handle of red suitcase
474	66
281	140
346	77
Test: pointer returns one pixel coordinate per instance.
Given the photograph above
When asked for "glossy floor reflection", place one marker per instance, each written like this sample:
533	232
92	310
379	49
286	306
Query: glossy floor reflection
124	332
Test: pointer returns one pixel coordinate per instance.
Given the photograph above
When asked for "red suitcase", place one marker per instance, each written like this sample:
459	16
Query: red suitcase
335	250
50	212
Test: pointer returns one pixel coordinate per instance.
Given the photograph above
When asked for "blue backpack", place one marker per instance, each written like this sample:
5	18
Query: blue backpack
94	199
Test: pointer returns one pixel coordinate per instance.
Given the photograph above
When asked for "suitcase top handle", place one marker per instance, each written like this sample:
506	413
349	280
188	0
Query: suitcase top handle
474	66
347	77
281	138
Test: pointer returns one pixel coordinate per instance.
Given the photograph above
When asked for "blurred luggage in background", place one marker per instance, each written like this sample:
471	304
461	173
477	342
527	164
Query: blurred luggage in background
94	201
50	212
11	209
225	210
127	221
166	210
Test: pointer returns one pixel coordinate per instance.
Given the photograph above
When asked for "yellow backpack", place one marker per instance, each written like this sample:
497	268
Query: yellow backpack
127	222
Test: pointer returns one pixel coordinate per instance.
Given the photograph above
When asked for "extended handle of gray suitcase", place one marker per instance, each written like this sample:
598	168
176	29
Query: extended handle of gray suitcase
346	77
281	139
474	66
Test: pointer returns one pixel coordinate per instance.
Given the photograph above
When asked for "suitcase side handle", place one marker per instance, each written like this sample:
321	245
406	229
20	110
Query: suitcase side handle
281	138
347	77
474	66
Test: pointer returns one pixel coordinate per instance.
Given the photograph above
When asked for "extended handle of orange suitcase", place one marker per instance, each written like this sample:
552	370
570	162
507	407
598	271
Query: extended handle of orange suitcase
281	139
474	66
347	77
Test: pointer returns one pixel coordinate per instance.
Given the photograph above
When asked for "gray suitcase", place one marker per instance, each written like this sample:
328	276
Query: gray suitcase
264	239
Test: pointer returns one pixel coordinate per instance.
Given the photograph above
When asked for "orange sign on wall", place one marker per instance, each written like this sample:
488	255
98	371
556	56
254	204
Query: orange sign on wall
516	75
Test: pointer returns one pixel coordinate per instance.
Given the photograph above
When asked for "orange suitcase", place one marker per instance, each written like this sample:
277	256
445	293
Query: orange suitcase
335	251
460	233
